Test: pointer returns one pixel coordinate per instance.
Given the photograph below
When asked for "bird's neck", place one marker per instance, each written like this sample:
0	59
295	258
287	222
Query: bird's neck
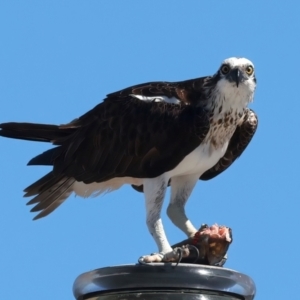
229	100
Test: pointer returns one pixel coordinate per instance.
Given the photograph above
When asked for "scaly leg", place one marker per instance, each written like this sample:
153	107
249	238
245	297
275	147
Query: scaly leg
154	190
181	188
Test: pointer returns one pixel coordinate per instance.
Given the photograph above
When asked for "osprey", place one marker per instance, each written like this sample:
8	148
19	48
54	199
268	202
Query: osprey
151	136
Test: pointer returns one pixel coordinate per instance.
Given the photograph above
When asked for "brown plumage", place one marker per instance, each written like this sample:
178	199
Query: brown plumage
126	137
121	137
149	135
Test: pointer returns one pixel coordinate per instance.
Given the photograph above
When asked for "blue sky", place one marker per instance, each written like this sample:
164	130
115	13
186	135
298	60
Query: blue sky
58	59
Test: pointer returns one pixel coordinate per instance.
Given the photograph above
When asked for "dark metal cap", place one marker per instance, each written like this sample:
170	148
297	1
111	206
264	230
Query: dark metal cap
163	281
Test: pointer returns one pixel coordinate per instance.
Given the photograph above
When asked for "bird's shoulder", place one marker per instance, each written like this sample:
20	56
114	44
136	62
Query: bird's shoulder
154	99
179	92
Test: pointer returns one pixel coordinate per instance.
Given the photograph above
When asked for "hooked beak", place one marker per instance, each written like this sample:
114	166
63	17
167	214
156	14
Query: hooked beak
235	75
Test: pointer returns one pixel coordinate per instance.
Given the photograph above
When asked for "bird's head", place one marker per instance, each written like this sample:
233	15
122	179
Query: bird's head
236	81
237	71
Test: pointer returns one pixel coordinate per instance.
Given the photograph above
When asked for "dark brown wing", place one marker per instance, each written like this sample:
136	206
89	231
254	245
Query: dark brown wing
238	143
129	137
123	136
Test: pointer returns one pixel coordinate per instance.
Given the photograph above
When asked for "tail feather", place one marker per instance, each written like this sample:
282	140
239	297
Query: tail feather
51	191
48	210
46	158
40	185
57	191
34	132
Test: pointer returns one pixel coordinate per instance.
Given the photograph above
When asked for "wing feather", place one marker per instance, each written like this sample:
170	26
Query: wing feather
124	136
139	139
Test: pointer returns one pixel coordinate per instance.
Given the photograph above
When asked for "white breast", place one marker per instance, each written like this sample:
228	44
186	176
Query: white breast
200	160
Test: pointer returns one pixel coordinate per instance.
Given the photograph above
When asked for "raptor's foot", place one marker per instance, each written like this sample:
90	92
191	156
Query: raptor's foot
173	256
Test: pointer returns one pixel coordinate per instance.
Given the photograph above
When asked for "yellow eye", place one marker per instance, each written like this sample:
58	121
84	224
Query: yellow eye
249	70
225	69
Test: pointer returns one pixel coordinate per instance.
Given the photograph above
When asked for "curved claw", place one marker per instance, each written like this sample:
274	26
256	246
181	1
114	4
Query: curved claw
142	262
175	255
154	257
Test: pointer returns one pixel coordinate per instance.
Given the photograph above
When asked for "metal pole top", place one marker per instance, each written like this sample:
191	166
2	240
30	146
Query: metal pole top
163	281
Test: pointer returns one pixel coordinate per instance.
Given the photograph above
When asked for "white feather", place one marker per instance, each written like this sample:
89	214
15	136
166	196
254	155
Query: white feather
166	99
96	188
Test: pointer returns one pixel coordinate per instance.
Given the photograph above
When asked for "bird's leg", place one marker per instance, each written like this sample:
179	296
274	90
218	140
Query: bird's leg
181	188
154	190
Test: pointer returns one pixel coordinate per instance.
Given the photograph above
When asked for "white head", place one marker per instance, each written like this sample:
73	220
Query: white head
236	81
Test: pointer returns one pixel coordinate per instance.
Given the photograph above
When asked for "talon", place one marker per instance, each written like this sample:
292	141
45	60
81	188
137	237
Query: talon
153	257
175	255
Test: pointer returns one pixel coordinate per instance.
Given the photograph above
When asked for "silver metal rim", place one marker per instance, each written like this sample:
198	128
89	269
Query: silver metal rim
159	275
